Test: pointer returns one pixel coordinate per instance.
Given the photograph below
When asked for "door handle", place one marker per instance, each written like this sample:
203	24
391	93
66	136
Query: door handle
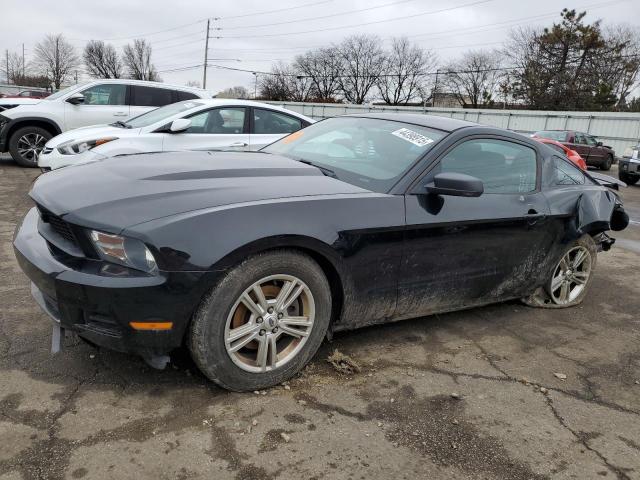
239	144
534	217
120	114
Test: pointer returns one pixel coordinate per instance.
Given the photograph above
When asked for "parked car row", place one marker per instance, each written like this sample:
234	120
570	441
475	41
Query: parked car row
250	259
26	126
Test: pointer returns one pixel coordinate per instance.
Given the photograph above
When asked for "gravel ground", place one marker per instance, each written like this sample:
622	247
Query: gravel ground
498	392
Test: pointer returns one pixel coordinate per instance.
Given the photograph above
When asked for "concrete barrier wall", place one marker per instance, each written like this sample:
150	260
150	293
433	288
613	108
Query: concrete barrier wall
618	130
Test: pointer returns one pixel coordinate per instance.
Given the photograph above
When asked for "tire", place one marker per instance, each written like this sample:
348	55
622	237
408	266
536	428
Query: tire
628	179
607	163
26	143
210	337
551	295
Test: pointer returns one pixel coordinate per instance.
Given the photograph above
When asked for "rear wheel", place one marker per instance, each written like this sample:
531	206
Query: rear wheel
26	144
628	179
570	278
263	322
607	163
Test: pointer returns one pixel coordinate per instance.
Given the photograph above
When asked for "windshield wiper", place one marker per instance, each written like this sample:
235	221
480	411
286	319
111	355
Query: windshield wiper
121	124
326	171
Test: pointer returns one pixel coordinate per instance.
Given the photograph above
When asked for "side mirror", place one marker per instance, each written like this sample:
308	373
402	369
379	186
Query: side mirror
179	125
455	184
76	99
599	144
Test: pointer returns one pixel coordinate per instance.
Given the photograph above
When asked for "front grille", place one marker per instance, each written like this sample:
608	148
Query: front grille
58	225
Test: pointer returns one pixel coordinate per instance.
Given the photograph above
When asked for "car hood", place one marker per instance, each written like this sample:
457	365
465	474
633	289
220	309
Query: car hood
123	191
92	132
19	101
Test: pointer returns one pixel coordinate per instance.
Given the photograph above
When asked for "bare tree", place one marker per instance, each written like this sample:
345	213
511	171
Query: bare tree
284	83
234	92
137	59
56	58
620	68
323	68
474	78
13	69
193	83
102	60
404	70
362	60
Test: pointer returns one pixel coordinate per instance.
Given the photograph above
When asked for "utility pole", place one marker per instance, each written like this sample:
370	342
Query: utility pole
435	89
23	70
76	76
6	53
206	55
255	86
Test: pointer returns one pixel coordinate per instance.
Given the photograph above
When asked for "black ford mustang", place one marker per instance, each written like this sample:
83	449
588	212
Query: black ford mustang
250	259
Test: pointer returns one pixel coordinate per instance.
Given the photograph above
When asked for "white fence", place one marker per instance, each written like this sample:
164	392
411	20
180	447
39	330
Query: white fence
619	130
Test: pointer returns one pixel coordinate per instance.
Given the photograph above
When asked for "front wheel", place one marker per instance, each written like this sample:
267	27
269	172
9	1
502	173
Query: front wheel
570	278
263	322
26	144
628	179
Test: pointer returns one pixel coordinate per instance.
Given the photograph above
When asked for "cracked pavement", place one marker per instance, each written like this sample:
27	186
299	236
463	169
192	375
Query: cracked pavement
467	395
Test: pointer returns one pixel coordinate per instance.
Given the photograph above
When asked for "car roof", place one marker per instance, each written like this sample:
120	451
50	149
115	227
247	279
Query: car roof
247	103
146	83
431	121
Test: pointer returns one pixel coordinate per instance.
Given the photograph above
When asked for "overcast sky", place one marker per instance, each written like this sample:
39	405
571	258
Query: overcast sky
256	33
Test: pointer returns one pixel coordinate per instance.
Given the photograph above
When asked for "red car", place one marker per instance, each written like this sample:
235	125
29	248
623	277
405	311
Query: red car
570	154
29	94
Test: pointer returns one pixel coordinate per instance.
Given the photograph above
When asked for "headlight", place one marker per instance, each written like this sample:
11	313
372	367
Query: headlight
72	147
128	252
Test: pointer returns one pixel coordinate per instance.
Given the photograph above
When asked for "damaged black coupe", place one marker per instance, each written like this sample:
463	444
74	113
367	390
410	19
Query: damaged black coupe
251	259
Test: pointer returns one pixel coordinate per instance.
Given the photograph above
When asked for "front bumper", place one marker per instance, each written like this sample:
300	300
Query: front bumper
79	296
629	167
51	159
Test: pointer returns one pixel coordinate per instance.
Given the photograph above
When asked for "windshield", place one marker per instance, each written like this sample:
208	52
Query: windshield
558	136
370	153
64	91
159	114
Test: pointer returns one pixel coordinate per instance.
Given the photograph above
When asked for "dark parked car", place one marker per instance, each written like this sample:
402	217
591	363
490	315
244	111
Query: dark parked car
629	168
590	149
251	259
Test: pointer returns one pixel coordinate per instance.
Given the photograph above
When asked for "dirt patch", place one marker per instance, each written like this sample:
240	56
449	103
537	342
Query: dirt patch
343	364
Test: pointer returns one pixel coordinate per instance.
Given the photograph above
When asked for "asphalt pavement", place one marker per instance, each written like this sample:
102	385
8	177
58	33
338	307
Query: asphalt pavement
500	392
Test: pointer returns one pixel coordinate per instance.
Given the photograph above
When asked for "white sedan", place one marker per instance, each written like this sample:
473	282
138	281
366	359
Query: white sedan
199	124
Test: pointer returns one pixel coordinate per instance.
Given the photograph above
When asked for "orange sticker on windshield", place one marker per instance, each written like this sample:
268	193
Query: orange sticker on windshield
293	136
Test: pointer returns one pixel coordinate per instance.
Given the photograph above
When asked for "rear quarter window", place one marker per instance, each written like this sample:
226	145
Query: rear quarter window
151	96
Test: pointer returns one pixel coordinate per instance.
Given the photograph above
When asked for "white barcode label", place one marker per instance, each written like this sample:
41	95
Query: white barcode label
413	137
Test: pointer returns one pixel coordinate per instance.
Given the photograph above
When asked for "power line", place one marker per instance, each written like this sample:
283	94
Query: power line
404	17
286	9
322	17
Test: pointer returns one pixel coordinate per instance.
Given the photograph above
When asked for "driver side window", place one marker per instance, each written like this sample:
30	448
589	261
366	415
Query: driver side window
503	166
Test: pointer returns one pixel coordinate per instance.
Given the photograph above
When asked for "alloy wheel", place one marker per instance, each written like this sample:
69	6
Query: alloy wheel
30	146
270	323
571	275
